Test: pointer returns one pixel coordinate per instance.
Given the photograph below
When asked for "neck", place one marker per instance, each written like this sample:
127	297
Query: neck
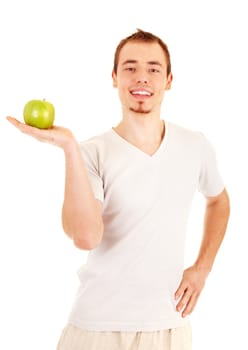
147	130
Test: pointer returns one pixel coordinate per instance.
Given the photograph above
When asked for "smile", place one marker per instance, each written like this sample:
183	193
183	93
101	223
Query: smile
141	93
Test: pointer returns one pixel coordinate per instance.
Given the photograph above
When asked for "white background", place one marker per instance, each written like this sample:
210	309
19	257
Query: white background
63	51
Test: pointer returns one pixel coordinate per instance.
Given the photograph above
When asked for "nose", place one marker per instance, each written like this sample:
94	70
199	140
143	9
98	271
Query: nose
142	80
141	76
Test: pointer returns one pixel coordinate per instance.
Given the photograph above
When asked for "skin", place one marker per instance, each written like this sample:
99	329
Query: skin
141	81
142	67
141	125
81	212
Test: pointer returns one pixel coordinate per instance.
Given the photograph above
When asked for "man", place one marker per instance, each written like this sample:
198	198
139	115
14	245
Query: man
127	200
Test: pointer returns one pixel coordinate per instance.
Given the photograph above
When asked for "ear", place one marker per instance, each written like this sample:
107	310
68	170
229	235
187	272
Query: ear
169	81
114	77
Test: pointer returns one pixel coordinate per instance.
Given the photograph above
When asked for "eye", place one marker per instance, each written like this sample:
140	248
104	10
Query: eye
130	69
154	70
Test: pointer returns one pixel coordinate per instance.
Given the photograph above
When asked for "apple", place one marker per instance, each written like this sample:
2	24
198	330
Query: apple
39	113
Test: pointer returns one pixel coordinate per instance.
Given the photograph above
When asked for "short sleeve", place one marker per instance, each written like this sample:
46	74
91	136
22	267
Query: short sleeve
210	181
91	158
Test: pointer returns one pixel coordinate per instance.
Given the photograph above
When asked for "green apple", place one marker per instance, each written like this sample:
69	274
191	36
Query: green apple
39	113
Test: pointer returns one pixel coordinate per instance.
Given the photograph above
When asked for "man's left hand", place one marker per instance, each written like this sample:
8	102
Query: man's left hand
189	290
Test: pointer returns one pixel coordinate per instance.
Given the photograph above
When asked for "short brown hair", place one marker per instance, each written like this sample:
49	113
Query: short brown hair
146	37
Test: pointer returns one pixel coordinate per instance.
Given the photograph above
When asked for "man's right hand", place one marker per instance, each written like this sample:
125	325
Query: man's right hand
56	135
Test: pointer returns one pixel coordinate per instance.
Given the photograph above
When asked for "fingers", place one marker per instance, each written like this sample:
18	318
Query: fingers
189	290
190	305
13	121
187	303
39	134
21	126
184	300
188	299
55	135
181	289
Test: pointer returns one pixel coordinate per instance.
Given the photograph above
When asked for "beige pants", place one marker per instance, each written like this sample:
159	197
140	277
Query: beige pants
73	338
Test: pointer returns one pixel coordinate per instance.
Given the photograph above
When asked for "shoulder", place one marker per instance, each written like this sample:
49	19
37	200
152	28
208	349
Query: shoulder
184	135
95	143
190	141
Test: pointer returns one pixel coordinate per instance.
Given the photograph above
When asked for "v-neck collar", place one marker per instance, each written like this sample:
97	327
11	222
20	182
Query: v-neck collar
137	150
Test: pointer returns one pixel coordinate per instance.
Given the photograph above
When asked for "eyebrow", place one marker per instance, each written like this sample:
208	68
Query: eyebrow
157	63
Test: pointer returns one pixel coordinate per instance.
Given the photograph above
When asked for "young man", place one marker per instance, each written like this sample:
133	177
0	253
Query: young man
127	200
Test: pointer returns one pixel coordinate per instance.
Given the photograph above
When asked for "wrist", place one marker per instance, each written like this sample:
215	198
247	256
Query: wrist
70	144
203	267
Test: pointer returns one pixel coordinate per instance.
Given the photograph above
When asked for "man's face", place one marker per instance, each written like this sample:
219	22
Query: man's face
141	77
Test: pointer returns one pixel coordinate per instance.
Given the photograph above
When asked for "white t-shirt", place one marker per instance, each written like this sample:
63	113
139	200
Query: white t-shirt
129	281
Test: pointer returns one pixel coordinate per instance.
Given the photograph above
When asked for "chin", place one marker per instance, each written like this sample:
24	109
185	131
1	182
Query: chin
140	110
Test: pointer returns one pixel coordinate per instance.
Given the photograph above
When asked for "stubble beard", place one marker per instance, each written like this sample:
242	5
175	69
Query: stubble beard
140	109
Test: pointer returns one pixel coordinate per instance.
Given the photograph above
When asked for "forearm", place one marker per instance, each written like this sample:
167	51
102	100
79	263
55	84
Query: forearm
81	217
193	280
81	213
215	224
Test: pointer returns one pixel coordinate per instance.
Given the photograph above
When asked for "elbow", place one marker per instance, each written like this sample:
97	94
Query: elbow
86	234
83	244
88	240
226	204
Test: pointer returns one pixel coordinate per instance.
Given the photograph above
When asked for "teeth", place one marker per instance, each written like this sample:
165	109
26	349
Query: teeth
146	93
